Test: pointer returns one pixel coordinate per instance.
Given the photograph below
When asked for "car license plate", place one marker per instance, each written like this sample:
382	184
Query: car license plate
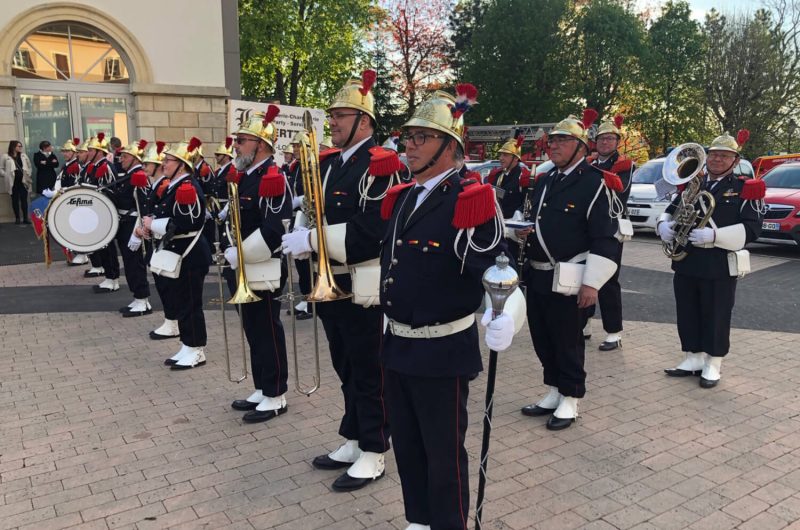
771	226
634	211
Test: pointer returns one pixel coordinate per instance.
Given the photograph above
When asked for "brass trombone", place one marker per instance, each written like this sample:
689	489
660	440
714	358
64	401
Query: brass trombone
219	258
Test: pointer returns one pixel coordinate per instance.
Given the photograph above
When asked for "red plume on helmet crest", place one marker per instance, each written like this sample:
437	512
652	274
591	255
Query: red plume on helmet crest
272	113
466	98
520	138
368	78
589	116
742	136
194	143
141	145
160	146
76	141
618	119
101	136
228	142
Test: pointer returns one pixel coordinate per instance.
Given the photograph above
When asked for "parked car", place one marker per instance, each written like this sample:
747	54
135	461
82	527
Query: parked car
484	167
781	223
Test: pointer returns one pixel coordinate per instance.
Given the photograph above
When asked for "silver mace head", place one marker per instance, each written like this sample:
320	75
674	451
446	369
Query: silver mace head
500	281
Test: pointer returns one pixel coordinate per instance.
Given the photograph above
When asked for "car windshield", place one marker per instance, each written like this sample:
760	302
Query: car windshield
784	176
743	169
649	173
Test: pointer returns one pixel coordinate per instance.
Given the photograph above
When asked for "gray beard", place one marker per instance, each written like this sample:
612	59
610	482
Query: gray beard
242	162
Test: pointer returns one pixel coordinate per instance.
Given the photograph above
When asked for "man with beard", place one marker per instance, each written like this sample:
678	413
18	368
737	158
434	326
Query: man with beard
353	228
264	202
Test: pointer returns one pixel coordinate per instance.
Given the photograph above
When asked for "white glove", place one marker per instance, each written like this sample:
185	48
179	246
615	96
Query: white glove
665	231
297	243
134	243
48	193
232	257
297	202
702	236
223	214
499	332
208	215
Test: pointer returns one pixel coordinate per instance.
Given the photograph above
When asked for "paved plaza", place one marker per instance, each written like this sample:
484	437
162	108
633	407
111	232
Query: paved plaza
96	433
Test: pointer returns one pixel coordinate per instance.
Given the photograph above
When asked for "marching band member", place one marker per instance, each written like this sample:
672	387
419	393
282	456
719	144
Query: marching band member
153	157
177	220
129	193
303	266
67	177
608	158
353	227
288	158
82	154
573	225
443	234
704	285
510	180
264	201
217	192
100	173
205	176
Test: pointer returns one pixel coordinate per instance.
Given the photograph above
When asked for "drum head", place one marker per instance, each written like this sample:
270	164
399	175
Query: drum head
82	219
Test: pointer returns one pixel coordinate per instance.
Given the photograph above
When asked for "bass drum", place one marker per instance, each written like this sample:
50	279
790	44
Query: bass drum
82	219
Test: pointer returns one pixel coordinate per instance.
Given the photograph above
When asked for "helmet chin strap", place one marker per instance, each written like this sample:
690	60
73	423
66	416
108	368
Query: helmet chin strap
353	130
445	142
572	158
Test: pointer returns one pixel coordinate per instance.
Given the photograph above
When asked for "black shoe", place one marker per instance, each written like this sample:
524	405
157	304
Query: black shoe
536	410
679	372
608	346
102	290
169	361
243	405
557	424
17	222
26	222
124	309
708	383
326	462
129	314
175	366
258	416
87	274
302	315
587	337
348	483
156	336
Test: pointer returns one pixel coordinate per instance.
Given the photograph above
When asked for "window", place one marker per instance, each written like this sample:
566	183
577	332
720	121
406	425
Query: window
23	60
69	52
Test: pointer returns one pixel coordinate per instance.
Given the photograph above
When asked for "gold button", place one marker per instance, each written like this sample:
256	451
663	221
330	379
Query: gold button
338	204
424	249
394	261
399	243
539	217
390	281
544	205
566	209
389	303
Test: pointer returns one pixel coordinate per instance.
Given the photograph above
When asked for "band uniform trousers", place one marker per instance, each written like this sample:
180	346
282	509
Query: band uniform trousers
431	457
162	287
556	324
354	336
186	294
265	335
133	262
109	260
704	309
609	298
303	267
96	258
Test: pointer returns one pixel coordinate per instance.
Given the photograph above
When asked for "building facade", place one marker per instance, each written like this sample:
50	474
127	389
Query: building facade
150	69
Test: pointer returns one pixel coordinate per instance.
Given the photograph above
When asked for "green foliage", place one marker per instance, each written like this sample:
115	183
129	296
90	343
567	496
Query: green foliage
299	52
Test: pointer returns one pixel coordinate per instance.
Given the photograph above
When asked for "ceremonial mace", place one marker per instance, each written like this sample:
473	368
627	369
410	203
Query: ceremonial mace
500	281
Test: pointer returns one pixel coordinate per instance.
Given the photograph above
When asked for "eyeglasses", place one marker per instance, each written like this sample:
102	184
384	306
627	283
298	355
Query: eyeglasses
606	138
240	141
336	116
418	139
720	155
558	140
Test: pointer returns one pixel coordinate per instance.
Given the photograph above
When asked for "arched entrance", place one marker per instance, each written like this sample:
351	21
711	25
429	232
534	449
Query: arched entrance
71	81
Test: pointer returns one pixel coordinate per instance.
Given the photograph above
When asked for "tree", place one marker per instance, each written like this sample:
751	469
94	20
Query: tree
604	43
515	60
753	70
387	109
466	16
413	33
299	51
668	102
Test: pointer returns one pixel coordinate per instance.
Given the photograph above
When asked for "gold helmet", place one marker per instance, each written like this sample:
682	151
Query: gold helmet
611	126
85	145
186	152
513	146
99	142
71	145
357	94
154	153
326	142
574	127
287	149
300	137
726	142
136	150
445	113
226	147
262	126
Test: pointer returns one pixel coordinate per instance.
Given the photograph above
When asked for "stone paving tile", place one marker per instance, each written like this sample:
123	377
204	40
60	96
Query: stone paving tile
130	444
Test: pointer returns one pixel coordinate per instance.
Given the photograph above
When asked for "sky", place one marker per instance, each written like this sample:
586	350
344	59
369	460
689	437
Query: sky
699	7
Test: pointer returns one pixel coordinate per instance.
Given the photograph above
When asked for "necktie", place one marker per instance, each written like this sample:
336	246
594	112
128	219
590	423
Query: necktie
410	204
560	177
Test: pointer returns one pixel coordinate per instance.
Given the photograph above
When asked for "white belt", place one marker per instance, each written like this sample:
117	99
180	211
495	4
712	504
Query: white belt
132	213
184	236
547	266
429	332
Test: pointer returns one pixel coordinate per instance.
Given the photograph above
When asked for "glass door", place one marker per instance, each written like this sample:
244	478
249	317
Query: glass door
44	117
108	114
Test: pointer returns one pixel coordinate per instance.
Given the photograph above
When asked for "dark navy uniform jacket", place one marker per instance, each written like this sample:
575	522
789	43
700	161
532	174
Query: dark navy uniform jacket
217	185
98	174
122	191
294	178
165	206
574	218
68	179
254	213
423	282
512	189
731	209
623	168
